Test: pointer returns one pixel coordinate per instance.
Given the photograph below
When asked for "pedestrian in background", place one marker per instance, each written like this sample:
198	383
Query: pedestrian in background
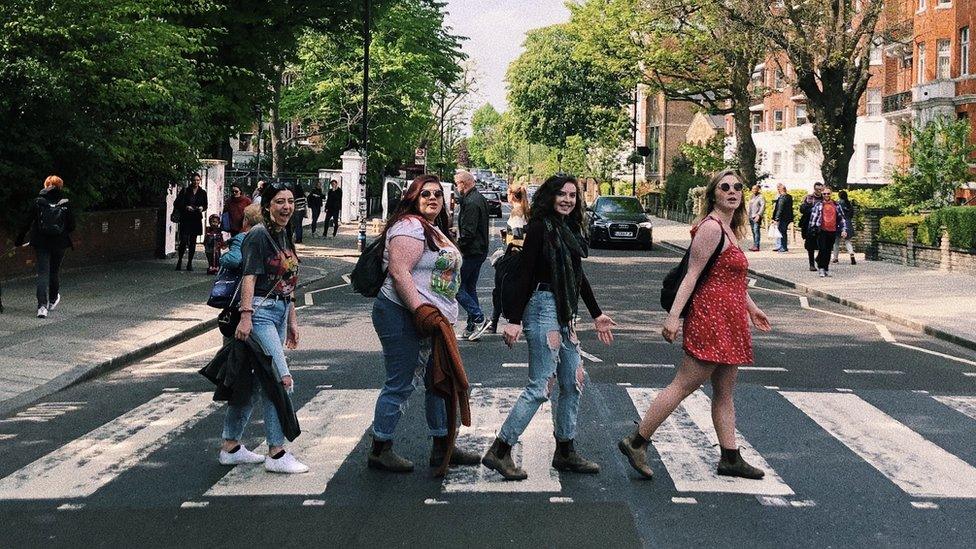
519	215
213	243
473	243
316	197
757	207
50	224
333	207
783	217
423	267
301	211
258	191
235	208
827	221
716	331
810	237
847	207
549	290
190	203
268	317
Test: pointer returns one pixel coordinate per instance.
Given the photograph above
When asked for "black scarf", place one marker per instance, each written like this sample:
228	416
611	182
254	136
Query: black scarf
561	244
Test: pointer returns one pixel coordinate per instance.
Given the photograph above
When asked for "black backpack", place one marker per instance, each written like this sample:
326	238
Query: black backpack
673	279
507	273
51	218
368	275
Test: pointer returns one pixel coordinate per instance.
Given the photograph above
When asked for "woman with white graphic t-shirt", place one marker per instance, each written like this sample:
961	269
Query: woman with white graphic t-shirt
424	267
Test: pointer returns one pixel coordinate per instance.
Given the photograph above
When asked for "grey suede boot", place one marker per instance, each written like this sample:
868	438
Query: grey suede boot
499	458
382	457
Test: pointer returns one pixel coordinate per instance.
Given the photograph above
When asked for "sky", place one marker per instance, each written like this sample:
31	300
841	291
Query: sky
495	31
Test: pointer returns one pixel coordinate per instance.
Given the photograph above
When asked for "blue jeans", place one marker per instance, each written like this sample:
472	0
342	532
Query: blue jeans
756	232
237	418
467	295
404	354
269	325
783	228
559	357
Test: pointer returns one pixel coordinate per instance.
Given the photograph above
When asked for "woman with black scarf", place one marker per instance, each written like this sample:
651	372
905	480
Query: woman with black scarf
549	292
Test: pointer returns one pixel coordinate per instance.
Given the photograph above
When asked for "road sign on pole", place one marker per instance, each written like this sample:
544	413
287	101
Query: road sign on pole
421	156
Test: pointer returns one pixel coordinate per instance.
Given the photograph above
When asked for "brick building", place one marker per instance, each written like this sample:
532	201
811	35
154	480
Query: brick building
662	126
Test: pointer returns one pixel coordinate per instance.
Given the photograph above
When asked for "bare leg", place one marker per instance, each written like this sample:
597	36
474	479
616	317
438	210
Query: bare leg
723	406
691	374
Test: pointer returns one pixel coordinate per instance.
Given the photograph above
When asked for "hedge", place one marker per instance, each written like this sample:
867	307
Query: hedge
893	228
960	222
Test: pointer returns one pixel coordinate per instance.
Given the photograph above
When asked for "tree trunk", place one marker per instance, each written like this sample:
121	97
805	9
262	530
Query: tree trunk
745	147
275	123
834	117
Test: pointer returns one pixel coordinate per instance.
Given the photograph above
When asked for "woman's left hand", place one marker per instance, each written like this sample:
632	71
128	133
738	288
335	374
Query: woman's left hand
292	340
759	320
603	324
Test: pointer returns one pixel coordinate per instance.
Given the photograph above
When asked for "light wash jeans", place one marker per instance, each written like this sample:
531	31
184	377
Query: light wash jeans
269	326
405	353
237	418
561	359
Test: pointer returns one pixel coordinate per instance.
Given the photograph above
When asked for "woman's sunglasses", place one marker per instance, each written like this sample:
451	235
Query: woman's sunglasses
436	194
725	186
279	185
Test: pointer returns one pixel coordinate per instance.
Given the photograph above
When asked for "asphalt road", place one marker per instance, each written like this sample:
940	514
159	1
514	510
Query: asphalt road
867	432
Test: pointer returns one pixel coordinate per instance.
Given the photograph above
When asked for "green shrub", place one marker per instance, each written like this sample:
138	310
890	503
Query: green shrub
893	228
960	222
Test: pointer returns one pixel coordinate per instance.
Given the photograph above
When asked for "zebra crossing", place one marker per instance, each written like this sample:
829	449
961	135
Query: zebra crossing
335	423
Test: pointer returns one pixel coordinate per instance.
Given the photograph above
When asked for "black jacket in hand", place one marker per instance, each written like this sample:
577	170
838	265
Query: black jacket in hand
234	370
473	224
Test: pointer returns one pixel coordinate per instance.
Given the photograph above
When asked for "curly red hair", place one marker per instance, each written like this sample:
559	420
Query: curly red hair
53	181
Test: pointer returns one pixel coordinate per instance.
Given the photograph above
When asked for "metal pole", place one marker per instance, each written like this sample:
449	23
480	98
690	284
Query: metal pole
633	157
260	135
367	8
440	170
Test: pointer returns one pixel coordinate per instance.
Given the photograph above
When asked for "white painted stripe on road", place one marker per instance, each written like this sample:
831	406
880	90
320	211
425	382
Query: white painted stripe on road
962	404
337	286
875	372
638	365
685	501
84	465
159	365
333	423
515	365
560	499
969	374
762	369
489	408
588	356
925	505
71	506
917	466
194	504
4	436
687	443
308	299
313	503
842	390
772	501
347	279
803	503
938	354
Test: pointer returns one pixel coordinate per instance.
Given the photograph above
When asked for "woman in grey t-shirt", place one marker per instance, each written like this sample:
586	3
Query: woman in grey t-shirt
424	266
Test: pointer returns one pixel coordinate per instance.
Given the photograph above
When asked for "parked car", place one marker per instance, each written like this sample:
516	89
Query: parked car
494	203
619	220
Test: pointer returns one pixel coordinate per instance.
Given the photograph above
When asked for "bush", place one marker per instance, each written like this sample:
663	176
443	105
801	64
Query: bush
893	228
678	184
960	222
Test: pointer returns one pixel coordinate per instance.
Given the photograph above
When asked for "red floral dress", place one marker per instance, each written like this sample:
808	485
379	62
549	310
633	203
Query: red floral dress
717	326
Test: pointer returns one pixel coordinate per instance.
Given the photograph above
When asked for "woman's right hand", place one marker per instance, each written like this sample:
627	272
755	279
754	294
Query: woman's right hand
243	327
671	326
511	333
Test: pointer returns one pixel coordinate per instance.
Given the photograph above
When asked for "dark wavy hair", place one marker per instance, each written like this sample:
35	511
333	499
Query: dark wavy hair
270	191
544	201
409	206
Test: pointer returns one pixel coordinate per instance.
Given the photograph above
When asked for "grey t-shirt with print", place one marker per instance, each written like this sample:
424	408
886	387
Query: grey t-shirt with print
437	275
275	273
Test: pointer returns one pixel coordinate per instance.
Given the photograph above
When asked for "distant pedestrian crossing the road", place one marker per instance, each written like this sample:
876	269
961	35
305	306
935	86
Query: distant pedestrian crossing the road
335	424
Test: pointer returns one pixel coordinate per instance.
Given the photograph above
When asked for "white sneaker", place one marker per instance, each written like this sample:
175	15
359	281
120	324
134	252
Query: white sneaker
242	455
53	304
42	312
285	464
479	329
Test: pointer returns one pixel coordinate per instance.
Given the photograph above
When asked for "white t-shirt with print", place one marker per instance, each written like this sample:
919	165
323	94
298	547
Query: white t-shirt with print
437	275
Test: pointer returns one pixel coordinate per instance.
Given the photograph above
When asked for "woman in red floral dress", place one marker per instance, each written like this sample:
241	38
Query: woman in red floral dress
716	331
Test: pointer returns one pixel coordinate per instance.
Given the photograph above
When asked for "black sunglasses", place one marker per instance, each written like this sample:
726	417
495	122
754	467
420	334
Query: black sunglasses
279	185
427	194
726	186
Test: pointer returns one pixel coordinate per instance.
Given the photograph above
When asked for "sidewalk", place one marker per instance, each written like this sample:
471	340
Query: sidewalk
938	303
114	314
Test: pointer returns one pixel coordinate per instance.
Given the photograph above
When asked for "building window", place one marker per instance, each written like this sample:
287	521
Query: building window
801	115
874	102
872	157
777	163
799	166
876	54
944	3
964	51
654	144
757	122
921	5
779	80
921	63
777	120
942	60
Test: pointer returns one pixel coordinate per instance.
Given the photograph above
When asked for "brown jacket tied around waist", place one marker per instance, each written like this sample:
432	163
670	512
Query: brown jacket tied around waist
449	379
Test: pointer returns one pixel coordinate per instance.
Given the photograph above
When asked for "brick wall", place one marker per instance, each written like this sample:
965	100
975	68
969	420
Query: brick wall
926	257
100	237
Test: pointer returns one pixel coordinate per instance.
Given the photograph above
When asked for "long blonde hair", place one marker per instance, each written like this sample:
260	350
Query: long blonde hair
739	217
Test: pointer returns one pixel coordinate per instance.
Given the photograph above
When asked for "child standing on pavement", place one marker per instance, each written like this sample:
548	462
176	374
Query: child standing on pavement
213	242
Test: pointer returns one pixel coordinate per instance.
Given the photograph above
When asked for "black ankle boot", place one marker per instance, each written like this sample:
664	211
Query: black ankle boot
634	446
853	260
499	458
566	459
382	457
458	456
732	465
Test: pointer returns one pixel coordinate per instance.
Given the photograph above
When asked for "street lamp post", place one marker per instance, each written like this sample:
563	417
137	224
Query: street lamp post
367	38
440	168
633	156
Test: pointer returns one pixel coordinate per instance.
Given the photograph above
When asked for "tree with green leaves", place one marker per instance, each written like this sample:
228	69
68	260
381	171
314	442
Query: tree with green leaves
938	156
485	128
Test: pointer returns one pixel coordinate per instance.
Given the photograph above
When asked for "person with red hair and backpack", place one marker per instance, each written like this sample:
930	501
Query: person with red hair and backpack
50	225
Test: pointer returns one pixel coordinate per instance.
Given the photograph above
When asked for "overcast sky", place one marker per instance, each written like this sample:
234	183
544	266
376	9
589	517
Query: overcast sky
495	31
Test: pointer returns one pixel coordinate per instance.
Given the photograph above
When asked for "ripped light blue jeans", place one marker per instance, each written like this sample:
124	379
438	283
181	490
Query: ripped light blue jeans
553	351
405	354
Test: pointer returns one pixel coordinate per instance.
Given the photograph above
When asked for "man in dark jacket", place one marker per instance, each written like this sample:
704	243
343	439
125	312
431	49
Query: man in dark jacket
190	203
473	243
50	224
810	236
333	207
783	216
